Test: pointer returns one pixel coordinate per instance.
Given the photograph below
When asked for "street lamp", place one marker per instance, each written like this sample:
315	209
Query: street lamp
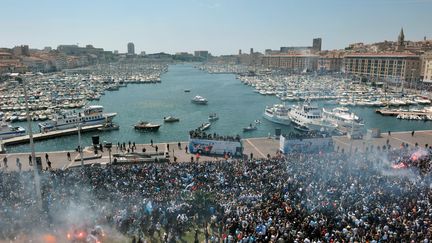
79	145
33	154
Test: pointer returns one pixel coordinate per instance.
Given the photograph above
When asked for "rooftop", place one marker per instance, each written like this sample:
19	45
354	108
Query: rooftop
381	54
5	54
292	55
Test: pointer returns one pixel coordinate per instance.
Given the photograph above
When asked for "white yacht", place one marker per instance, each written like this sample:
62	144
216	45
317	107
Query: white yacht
8	131
92	115
308	117
277	113
199	100
345	121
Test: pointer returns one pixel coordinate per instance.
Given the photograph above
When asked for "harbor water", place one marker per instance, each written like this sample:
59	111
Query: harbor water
235	103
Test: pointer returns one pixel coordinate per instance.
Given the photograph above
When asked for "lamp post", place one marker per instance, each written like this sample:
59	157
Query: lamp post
79	145
33	154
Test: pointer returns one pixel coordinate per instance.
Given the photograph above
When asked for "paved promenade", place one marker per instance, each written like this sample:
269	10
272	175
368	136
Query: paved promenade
258	147
395	139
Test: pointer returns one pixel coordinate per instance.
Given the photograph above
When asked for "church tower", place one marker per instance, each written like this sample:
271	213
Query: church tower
401	41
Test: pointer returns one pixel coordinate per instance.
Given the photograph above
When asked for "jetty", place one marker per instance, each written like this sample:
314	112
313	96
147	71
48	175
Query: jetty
397	112
49	135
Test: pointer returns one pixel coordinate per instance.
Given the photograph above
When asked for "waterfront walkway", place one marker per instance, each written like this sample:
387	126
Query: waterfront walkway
395	139
259	147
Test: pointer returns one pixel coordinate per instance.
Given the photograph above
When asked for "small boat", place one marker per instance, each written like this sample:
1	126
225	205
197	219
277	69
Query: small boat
249	128
143	125
8	131
109	127
204	126
213	117
199	100
171	119
187	90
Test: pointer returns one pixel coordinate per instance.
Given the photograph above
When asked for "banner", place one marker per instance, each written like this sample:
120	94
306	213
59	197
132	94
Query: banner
215	147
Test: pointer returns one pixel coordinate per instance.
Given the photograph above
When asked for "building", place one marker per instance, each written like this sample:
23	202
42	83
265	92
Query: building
131	48
401	41
316	47
76	50
292	62
201	54
330	61
398	45
316	44
185	56
69	49
22	50
427	67
271	52
295	49
391	67
10	64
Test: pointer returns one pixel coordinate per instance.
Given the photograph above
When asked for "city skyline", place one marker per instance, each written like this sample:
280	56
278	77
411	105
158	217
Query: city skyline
219	26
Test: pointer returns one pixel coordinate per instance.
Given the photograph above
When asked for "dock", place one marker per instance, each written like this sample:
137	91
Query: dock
48	135
386	112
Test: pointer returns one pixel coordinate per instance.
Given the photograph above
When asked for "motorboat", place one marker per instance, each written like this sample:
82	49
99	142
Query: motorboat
344	119
307	117
249	128
204	126
171	119
8	131
199	100
187	90
92	115
277	113
147	126
109	127
213	117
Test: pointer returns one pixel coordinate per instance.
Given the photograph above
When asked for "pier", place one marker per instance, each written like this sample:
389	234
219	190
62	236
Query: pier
48	135
386	112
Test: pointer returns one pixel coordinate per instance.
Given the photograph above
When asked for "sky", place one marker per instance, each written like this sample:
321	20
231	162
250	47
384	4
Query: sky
219	26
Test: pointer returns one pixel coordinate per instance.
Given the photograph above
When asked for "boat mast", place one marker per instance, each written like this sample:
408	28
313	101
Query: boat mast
79	145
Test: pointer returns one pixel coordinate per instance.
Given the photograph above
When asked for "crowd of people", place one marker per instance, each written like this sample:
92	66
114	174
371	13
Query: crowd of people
306	135
324	197
212	136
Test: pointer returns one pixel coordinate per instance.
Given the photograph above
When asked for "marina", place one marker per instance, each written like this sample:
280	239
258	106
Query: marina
72	89
227	96
335	89
216	121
